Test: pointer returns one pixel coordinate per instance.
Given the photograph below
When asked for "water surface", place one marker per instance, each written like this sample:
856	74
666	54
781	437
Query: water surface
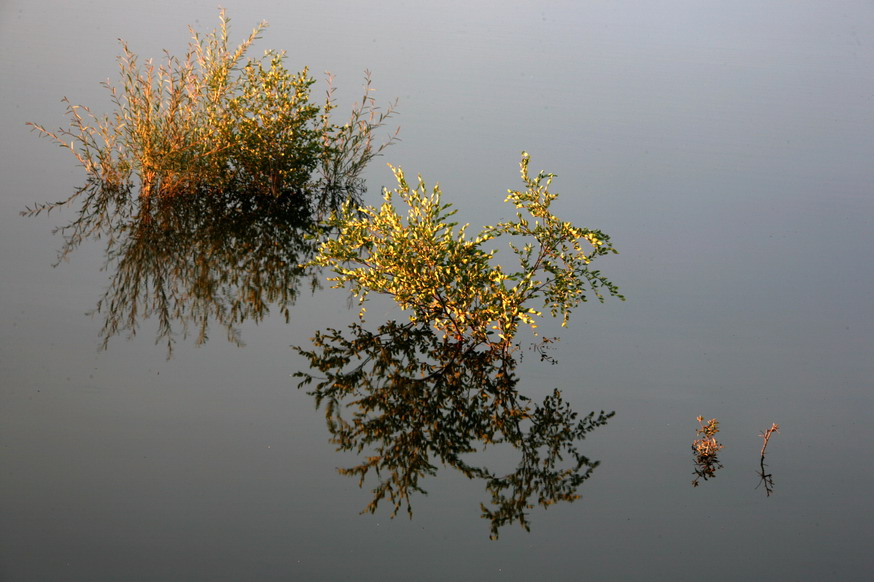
726	149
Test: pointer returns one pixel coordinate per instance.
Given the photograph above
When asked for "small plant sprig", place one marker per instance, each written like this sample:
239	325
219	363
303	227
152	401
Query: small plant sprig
766	436
707	445
706	448
767	478
449	281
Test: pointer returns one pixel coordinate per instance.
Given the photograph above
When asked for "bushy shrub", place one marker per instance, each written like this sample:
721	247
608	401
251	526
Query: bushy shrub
450	281
217	119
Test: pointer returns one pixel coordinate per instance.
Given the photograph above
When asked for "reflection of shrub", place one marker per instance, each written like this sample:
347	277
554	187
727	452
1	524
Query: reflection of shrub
407	400
223	257
216	118
450	281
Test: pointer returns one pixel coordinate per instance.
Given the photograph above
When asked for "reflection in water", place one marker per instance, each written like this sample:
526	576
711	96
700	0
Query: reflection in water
220	255
406	399
766	479
213	253
706	466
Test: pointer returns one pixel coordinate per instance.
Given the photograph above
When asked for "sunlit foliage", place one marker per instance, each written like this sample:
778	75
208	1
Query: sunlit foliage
207	182
214	119
706	449
446	279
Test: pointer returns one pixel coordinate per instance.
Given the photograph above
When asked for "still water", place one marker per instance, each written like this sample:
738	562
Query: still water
726	149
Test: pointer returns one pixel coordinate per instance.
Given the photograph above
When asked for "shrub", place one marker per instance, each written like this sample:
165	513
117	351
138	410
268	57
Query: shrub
449	280
207	182
216	119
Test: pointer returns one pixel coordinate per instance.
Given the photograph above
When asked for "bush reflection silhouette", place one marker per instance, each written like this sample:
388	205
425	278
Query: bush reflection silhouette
221	256
408	400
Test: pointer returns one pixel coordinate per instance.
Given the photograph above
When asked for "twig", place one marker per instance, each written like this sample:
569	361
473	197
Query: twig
767	478
766	436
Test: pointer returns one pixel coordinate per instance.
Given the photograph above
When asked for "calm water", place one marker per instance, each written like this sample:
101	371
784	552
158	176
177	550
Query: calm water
727	150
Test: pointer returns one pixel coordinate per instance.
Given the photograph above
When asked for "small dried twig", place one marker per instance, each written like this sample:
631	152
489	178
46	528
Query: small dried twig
767	478
766	436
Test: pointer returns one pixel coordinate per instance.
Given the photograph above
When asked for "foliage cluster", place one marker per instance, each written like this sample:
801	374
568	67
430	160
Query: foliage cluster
216	180
441	387
706	448
450	281
217	119
207	181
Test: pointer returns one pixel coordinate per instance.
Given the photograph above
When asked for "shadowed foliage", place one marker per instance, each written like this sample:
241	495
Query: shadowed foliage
408	400
222	257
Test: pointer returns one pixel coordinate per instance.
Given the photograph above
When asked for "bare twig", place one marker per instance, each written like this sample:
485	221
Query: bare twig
766	436
767	478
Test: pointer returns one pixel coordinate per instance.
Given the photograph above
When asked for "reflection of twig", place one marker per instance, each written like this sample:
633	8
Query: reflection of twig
543	348
767	478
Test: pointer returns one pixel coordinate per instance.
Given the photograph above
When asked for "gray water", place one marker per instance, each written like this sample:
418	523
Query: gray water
727	148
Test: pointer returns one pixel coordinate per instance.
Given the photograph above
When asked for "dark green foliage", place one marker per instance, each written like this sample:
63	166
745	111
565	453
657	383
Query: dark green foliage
408	400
